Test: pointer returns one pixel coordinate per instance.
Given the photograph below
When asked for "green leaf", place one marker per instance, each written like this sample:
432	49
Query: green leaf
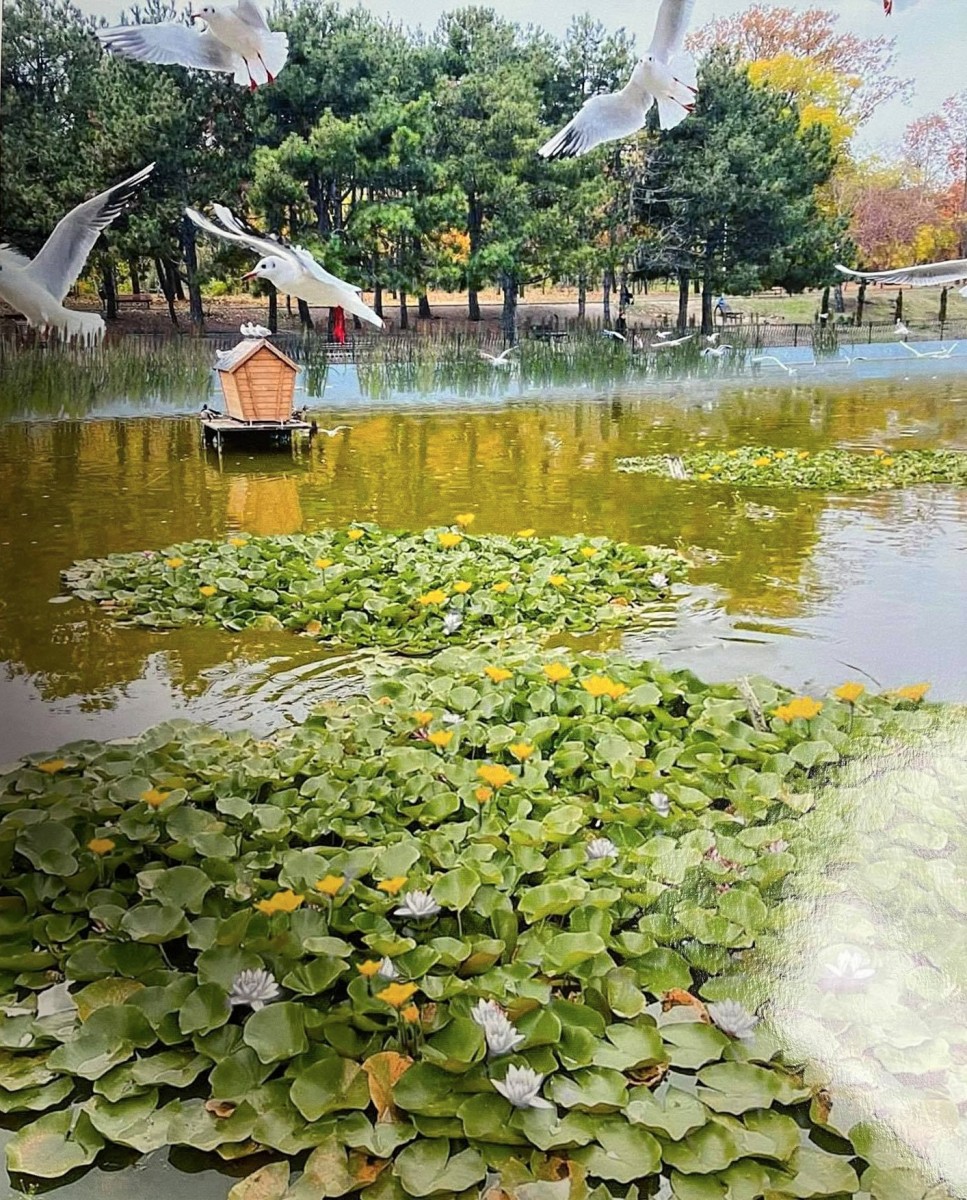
597	1090
621	1152
671	1111
207	1008
456	889
270	1182
330	1086
816	1173
692	1044
277	1032
54	1144
425	1168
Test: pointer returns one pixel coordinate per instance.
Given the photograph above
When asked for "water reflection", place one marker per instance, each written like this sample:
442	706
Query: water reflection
792	585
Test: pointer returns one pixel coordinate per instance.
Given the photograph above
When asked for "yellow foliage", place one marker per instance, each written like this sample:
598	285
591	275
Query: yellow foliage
823	95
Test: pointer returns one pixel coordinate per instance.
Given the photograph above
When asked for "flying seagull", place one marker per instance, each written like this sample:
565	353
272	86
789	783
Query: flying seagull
293	270
498	360
614	335
37	287
665	75
236	39
252	330
938	274
679	341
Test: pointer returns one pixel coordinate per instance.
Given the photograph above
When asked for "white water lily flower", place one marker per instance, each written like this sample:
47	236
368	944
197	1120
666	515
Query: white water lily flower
659	580
660	803
733	1018
387	970
779	846
499	1032
417	904
849	973
521	1086
601	848
450	718
254	988
452	622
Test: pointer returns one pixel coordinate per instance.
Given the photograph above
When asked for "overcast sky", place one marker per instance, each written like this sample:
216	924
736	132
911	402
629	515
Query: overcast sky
931	36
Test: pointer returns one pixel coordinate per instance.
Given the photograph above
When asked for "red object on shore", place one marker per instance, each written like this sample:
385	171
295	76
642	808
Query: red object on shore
339	325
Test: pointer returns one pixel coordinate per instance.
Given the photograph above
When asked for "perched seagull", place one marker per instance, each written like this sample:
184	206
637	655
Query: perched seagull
293	270
498	360
664	75
901	330
939	274
613	333
717	351
250	330
664	345
235	39
37	286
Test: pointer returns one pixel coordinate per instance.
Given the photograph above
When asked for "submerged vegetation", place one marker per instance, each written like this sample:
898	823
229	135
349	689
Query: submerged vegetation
365	586
494	917
842	470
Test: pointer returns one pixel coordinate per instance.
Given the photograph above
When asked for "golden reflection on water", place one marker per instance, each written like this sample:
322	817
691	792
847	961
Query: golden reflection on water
776	570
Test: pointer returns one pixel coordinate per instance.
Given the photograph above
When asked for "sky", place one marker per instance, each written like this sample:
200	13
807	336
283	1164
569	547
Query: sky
931	37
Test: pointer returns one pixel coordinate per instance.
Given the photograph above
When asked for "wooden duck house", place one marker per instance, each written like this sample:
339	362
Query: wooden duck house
257	381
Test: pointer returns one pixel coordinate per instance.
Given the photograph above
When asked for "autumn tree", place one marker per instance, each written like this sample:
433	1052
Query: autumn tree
936	147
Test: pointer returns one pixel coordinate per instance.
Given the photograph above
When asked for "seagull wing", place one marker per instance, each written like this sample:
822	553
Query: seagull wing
318	271
249	237
169	42
602	119
673	19
65	252
251	14
928	275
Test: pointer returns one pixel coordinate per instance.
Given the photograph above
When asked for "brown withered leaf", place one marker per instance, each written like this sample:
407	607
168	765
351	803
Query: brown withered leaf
383	1070
821	1107
651	1076
365	1170
676	996
220	1108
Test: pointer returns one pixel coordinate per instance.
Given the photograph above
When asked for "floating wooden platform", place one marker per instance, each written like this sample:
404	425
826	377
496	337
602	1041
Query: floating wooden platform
216	430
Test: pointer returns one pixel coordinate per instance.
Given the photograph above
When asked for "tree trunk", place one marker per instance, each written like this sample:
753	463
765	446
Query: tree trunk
582	296
839	304
195	313
404	311
175	276
508	317
683	281
824	306
708	322
943	306
288	305
474	228
274	311
164	282
608	282
135	273
378	299
109	284
860	301
423	310
899	305
305	317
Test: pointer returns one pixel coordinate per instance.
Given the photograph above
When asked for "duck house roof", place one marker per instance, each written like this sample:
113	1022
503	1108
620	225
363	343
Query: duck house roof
230	360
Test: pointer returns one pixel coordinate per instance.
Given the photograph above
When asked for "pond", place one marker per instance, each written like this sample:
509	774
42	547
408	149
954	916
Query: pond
807	588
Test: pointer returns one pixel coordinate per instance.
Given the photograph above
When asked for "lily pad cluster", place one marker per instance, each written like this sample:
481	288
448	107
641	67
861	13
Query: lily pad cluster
365	586
836	470
481	928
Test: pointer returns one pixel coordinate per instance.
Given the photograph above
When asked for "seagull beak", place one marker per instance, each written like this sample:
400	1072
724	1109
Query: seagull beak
251	275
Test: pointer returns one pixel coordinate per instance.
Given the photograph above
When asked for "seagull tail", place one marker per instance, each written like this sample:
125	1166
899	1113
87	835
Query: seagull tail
88	328
353	304
674	108
275	52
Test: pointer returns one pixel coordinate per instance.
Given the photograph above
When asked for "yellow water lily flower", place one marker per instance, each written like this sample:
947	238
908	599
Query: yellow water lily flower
369	968
521	750
526	533
715	467
440	738
731	453
887	461
705	475
780	454
449	540
462	586
494	774
174	563
598	685
52	765
397	994
762	461
237	541
803	706
878	453
208	590
313	627
410	1014
501	586
497	674
618	690
556	671
557	580
588	551
483	794
850	692
913	691
422	716
101	845
330	885
322	563
465	520
287	901
436	596
355	534
154	798
802	454
392	886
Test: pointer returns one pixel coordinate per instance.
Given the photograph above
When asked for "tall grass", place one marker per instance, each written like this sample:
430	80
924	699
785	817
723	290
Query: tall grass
65	381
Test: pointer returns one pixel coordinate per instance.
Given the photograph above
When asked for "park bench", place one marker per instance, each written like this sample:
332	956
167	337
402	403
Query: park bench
547	333
729	317
134	299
